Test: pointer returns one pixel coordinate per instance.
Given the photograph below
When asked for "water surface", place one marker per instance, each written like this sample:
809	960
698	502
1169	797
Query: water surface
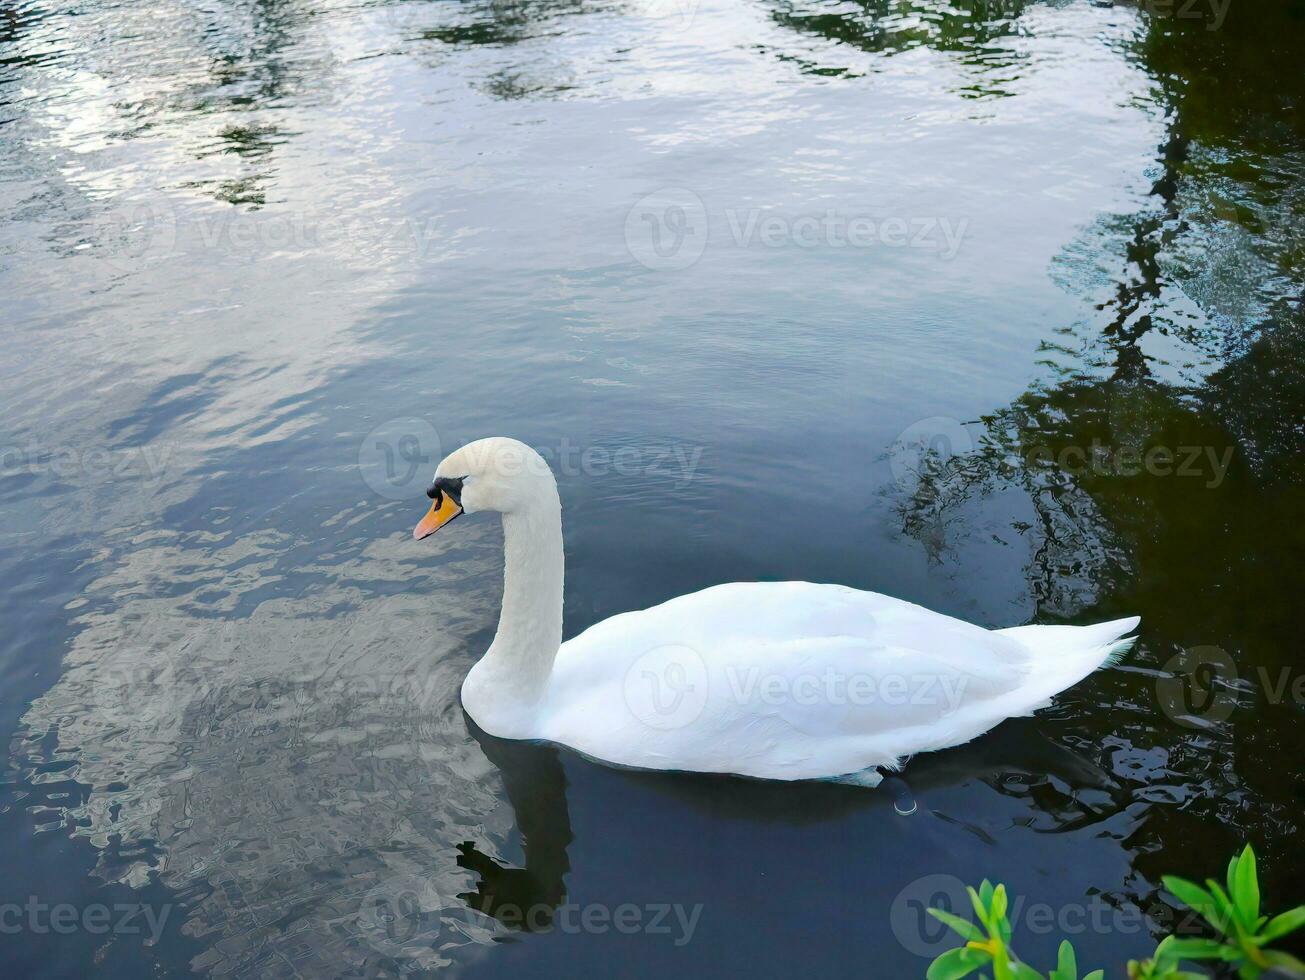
894	294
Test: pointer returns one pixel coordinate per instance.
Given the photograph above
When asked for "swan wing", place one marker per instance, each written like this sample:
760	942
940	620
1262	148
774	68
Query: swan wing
778	680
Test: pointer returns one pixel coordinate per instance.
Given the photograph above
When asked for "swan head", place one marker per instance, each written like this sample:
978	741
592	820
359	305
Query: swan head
497	474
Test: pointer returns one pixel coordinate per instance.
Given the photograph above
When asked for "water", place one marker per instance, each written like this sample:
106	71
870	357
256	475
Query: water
900	295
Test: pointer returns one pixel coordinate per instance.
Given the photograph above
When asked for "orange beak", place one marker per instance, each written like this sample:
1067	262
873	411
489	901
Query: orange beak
440	513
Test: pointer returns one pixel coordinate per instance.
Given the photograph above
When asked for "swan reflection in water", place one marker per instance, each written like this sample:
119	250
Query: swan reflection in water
534	782
535	787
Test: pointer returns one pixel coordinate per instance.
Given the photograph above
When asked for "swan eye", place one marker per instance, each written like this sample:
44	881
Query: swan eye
446	484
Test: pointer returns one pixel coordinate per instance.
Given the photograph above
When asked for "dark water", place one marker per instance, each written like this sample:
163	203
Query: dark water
995	307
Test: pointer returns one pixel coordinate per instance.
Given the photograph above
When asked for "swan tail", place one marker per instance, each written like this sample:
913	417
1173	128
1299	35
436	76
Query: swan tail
1061	656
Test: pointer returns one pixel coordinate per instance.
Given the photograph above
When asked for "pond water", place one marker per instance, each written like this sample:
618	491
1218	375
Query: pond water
991	306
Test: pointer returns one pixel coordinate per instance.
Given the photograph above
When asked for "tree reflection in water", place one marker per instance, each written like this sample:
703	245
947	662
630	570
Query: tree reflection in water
1202	357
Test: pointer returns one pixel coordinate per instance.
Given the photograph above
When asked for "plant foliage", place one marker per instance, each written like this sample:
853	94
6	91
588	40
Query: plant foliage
1232	910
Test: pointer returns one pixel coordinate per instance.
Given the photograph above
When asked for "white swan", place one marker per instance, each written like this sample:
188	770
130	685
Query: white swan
775	680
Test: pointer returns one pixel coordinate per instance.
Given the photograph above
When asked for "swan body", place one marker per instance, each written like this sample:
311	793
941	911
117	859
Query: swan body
794	680
774	680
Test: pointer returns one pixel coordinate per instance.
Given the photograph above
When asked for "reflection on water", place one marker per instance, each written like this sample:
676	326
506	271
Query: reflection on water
982	34
1158	463
245	245
269	747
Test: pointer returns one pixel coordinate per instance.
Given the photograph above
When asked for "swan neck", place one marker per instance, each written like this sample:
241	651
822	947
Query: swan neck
520	660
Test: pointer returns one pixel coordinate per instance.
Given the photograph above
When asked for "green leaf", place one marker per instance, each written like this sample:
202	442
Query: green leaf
1284	961
1096	975
1198	899
985	893
980	907
1225	906
964	926
956	963
1022	971
999	903
1202	949
1246	887
1066	962
1164	951
1288	921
